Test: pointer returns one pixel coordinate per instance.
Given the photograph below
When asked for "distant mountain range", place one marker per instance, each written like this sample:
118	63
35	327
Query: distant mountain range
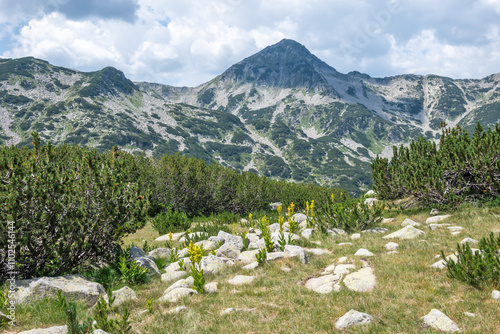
282	113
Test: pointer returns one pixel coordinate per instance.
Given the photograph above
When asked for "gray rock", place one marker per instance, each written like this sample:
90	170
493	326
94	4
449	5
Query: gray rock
370	193
274	227
175	237
183	253
353	318
274	206
468	240
208	245
137	252
297	251
252	238
212	265
229	250
148	263
434	212
408	232
317	251
434	227
175	295
387	220
435	219
441	264
123	295
495	294
470	314
438	320
344	244
251	266
216	240
343	269
241	280
363	252
173	267
183	283
335	232
74	287
370	201
231	239
232	310
299	217
194	235
355	236
323	284
362	280
455	228
211	287
275	256
409	222
376	230
308	232
159	252
173	276
49	330
248	256
391	246
177	310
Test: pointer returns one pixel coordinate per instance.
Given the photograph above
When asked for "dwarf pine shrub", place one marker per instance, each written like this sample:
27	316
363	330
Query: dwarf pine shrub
170	221
480	268
68	205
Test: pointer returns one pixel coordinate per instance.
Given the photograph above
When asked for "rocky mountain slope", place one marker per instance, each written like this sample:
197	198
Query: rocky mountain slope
282	112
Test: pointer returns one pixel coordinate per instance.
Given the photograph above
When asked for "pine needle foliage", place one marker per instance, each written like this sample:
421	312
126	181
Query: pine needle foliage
462	168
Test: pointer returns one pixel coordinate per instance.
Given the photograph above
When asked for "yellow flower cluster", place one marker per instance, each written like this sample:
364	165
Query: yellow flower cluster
170	236
195	252
281	220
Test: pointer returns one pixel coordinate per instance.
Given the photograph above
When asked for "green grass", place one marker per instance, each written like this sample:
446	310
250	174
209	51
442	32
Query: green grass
407	289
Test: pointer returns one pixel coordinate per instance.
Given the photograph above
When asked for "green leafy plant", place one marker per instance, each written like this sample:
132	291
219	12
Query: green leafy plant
293	226
72	321
170	221
261	256
174	255
149	305
266	233
132	273
244	237
480	268
281	239
195	255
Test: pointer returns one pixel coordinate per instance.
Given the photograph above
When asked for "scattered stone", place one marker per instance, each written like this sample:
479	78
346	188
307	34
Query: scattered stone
362	280
241	280
183	283
317	251
441	264
194	235
335	231
434	212
252	238
436	219
495	294
393	252
248	256
409	222
438	320
172	276
329	269
229	250
308	232
175	237
355	236
470	314
232	310
323	284
183	253
74	287
375	230
275	256
408	232
159	252
468	240
344	244
148	263
274	206
388	220
455	228
342	259
299	218
211	287
175	295
297	251
434	227
370	192
49	330
175	266
251	266
343	269
137	252
391	246
353	318
232	239
208	245
286	269
370	201
230	263
123	295
177	310
243	221
216	240
363	252
212	265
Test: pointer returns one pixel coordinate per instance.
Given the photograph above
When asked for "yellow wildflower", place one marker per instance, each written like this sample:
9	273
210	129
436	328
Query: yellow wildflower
250	217
279	209
170	236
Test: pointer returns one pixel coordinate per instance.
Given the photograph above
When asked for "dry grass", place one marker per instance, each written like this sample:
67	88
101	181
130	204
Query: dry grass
407	289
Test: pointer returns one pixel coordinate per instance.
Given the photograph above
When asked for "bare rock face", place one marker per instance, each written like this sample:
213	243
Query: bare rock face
438	320
353	318
409	232
362	280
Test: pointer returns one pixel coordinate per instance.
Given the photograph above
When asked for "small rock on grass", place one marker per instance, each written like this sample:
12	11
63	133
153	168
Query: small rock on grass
468	240
495	294
251	266
363	252
353	318
362	280
176	310
317	251
211	287
391	246
438	320
436	219
241	280
232	310
175	295
49	330
408	232
409	222
355	236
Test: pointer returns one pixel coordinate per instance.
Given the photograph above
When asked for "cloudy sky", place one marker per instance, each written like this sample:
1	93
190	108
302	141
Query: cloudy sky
188	42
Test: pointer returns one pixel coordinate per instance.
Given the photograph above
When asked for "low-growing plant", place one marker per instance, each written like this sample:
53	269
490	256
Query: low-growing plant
174	255
170	220
293	226
73	326
480	268
281	221
266	233
261	256
132	273
102	312
195	255
348	214
244	237
162	262
149	305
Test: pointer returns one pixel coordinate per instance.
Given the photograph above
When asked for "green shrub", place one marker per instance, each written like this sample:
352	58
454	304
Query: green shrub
349	214
170	221
480	268
66	206
132	273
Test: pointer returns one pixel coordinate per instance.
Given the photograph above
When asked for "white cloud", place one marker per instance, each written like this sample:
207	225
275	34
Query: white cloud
190	42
